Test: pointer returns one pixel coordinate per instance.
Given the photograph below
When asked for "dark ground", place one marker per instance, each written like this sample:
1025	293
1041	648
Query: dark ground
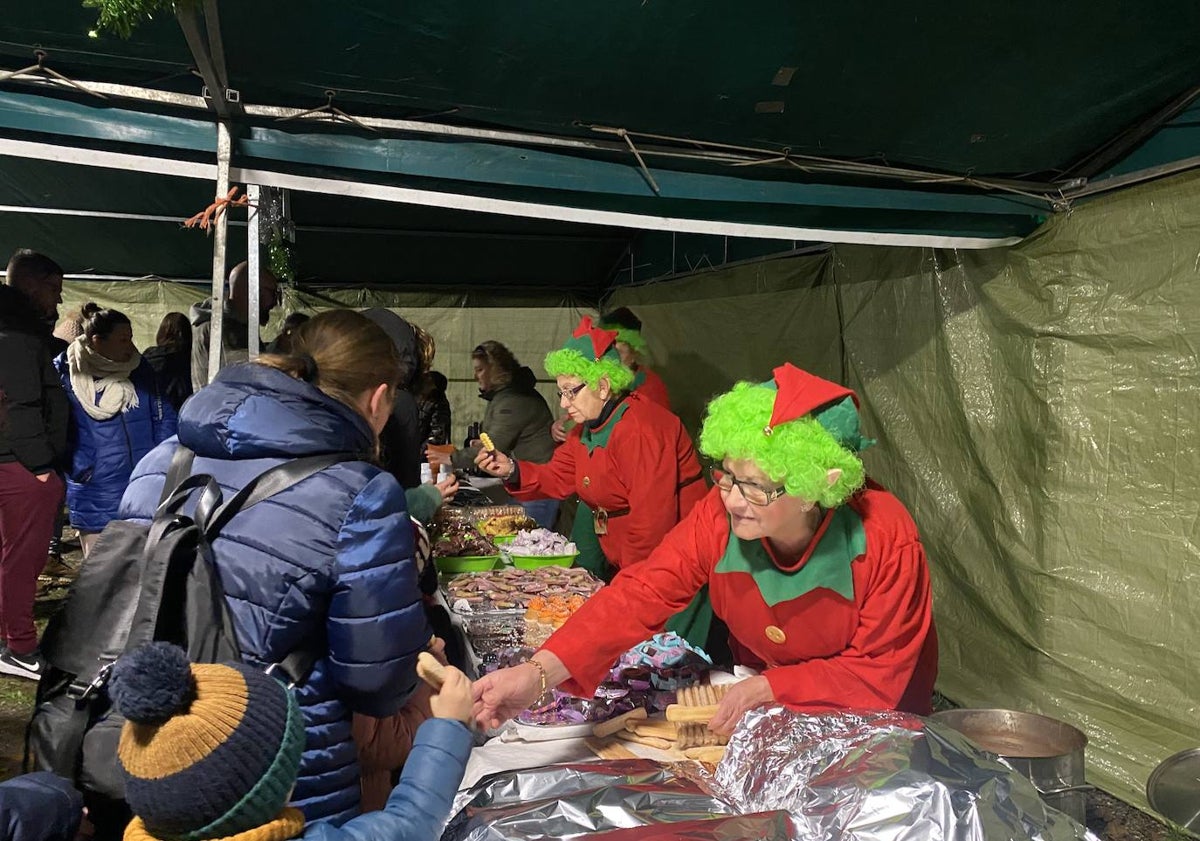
1111	819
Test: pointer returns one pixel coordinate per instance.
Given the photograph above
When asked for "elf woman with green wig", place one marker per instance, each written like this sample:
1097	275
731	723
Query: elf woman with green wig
818	573
630	460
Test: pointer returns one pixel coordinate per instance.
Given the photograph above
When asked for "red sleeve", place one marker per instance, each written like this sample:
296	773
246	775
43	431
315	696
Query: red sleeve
553	480
640	599
649	469
654	389
895	619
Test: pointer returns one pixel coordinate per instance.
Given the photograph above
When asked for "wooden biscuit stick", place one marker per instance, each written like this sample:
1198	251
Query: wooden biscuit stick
430	670
679	713
608	749
648	741
708	753
613	725
658	729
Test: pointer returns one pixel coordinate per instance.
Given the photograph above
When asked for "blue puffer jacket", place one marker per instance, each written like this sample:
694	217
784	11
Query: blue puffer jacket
420	803
332	556
104	453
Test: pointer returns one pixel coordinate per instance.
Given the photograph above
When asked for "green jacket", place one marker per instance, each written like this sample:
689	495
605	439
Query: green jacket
518	422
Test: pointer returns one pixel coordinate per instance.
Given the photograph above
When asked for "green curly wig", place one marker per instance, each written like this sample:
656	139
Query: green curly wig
566	362
629	336
798	454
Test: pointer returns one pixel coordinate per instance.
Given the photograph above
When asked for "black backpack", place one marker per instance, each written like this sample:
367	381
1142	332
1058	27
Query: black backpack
142	583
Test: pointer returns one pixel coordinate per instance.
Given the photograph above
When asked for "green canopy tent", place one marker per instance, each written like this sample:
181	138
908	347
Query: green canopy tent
935	177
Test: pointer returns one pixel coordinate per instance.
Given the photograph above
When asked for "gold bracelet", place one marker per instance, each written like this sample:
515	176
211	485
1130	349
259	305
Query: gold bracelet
541	673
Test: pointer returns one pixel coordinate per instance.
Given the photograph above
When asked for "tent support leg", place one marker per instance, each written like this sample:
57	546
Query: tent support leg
216	340
254	194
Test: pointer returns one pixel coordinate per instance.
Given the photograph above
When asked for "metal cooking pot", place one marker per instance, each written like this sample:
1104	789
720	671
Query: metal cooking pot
1047	751
1173	789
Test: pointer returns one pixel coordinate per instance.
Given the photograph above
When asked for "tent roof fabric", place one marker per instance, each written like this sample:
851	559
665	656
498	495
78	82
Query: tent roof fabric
904	125
990	89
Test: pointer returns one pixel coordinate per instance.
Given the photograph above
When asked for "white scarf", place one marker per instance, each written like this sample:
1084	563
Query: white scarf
101	386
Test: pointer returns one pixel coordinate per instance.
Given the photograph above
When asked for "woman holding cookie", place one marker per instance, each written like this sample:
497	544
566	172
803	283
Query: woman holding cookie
818	572
629	459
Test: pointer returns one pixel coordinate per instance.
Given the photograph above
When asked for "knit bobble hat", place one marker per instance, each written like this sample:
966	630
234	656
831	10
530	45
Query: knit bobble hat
207	750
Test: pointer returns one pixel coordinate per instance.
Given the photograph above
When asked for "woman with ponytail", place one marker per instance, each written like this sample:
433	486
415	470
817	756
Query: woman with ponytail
328	561
117	417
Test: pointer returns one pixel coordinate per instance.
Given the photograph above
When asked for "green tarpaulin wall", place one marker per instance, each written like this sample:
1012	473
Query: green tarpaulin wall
1036	408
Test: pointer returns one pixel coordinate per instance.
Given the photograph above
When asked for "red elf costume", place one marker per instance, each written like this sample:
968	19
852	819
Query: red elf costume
847	623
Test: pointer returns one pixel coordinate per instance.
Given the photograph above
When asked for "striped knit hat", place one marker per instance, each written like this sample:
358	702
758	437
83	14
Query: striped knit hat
208	751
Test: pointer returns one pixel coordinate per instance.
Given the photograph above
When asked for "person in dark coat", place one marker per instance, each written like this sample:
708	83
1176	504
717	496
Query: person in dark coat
33	442
39	807
171	358
331	558
433	408
118	416
235	320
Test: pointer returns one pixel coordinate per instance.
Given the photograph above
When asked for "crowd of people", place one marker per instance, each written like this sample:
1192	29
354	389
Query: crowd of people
788	560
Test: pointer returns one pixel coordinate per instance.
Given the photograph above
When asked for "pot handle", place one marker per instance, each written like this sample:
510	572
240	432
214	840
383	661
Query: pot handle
1064	789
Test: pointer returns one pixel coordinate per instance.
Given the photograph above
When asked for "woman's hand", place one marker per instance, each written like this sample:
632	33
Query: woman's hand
503	694
558	429
453	700
494	463
448	487
742	696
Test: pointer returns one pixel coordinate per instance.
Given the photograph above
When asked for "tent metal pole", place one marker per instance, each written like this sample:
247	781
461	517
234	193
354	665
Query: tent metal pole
216	339
254	193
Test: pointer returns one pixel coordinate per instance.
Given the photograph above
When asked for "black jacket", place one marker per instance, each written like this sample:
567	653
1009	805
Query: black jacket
172	372
39	807
33	417
433	413
400	444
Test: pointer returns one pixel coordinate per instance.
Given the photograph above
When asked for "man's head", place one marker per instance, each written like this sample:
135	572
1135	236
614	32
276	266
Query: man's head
39	279
239	292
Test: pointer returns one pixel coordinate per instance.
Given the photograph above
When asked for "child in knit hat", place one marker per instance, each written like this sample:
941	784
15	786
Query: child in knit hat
210	752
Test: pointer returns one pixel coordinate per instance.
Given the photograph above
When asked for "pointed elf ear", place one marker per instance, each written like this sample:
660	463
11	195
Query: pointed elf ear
833	475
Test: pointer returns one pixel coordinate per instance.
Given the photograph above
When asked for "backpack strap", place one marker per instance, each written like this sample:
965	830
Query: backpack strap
181	467
266	485
297	665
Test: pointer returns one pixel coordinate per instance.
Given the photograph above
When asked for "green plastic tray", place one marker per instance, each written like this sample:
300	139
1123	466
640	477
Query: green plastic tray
535	561
470	563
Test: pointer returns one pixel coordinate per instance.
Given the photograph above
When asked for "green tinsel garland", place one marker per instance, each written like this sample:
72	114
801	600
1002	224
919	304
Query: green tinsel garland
281	258
123	16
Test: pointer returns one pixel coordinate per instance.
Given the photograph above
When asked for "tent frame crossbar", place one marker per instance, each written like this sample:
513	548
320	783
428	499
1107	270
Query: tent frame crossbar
1048	195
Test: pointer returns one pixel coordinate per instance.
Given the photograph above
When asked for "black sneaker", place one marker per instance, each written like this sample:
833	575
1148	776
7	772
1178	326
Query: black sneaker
30	666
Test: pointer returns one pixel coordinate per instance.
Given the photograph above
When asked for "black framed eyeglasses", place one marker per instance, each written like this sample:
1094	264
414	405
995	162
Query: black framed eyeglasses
751	492
570	393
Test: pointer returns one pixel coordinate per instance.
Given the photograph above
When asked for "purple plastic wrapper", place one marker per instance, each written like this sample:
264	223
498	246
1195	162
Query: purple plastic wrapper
880	776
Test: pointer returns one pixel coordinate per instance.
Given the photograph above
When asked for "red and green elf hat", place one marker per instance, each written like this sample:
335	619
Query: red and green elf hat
796	427
591	355
833	406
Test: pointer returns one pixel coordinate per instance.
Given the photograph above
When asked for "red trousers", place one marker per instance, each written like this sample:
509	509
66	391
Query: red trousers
27	509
